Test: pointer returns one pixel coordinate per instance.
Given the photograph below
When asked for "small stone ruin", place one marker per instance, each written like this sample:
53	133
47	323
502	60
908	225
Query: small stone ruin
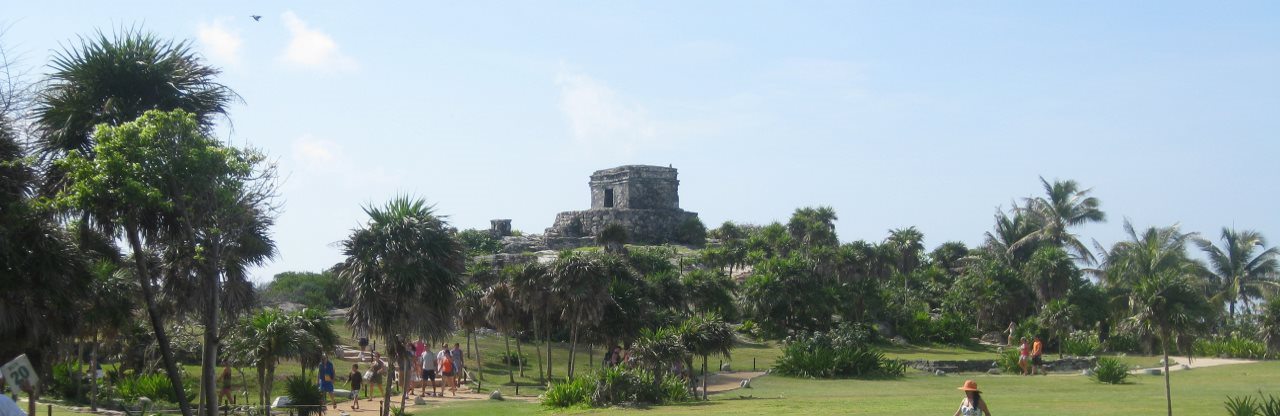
645	200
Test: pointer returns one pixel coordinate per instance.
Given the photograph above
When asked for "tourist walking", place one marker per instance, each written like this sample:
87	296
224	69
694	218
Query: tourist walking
356	379
1037	360
444	362
224	395
459	370
1012	330
364	343
1024	355
376	370
972	405
327	375
428	361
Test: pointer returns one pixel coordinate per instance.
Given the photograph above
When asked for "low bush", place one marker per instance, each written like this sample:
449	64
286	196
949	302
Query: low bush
304	393
153	386
1110	371
1008	361
1233	346
516	359
1081	344
63	383
571	393
1264	405
822	355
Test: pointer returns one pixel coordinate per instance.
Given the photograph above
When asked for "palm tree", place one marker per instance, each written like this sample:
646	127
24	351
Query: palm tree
471	316
1241	274
503	315
1269	324
581	282
814	227
1056	317
1050	272
704	335
532	285
115	80
657	349
403	271
906	245
1162	294
1064	205
1011	229
264	339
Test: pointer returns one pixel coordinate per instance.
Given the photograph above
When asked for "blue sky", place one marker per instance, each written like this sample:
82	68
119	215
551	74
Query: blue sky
929	114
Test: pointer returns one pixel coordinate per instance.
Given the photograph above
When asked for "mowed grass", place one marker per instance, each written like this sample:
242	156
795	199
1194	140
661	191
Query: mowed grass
1195	392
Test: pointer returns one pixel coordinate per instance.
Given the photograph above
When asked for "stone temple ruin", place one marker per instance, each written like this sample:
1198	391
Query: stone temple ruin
645	200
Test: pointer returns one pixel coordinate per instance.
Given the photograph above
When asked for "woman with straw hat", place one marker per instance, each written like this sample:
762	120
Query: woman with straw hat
972	405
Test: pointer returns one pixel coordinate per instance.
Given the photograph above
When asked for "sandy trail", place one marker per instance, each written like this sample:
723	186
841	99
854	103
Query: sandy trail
1196	362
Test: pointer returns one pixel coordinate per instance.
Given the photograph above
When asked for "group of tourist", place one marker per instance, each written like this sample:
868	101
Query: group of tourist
1030	356
421	368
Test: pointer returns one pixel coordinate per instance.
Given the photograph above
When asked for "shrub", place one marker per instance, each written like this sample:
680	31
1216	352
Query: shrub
691	232
951	328
1081	344
1110	371
575	392
822	355
1265	405
1233	346
514	358
62	384
153	386
304	393
479	242
1008	361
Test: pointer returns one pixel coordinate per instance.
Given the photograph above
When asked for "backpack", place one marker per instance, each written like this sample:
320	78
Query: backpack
446	364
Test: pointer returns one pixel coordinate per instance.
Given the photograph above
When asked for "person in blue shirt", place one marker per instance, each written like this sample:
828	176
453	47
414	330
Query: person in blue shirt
327	375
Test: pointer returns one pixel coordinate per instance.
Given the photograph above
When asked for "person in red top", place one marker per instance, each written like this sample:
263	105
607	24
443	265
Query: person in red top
1037	363
1024	355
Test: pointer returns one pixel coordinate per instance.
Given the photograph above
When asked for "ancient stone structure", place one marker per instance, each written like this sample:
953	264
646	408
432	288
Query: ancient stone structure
499	228
642	199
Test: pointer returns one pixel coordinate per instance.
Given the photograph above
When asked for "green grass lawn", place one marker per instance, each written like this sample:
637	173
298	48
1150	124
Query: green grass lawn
1195	392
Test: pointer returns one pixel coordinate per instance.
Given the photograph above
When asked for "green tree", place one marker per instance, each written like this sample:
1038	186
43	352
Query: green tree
403	271
1056	317
534	288
906	244
264	339
315	290
504	314
704	335
814	226
160	179
1050	272
1241	274
580	281
1161	280
115	80
1064	205
1269	324
657	349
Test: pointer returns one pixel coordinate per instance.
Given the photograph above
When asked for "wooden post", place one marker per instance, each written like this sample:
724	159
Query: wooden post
753	364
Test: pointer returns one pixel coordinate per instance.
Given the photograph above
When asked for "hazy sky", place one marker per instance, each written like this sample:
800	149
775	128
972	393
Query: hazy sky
930	114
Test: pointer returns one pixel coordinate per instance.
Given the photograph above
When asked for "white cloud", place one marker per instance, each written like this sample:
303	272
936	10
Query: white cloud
599	118
312	49
221	43
311	152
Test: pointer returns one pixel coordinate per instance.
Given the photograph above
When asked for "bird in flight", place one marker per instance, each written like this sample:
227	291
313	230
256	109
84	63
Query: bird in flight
256	17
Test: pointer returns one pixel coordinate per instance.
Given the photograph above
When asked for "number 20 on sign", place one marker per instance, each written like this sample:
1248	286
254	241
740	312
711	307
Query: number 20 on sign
19	371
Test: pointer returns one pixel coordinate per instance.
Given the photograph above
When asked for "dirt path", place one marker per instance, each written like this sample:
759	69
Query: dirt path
723	382
1197	362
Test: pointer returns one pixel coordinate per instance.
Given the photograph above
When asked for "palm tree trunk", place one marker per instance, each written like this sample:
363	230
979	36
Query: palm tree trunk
467	335
537	347
547	315
79	367
591	355
209	363
704	377
93	374
1168	399
510	374
157	323
391	374
520	356
479	359
573	348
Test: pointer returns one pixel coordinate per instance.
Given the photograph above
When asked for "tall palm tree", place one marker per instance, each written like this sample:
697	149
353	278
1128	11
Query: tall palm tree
532	285
1010	229
1161	284
503	315
471	317
403	271
1050	272
581	283
1242	275
1064	205
114	80
906	245
814	226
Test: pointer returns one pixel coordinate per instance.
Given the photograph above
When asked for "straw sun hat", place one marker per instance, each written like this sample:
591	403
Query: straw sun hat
969	385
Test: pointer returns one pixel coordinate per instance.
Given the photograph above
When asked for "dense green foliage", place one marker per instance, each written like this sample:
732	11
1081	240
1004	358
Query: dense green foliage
613	386
1264	405
478	242
841	353
1232	346
313	290
1110	371
304	394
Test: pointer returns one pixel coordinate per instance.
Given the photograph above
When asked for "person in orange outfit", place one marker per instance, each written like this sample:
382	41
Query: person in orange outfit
1037	361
